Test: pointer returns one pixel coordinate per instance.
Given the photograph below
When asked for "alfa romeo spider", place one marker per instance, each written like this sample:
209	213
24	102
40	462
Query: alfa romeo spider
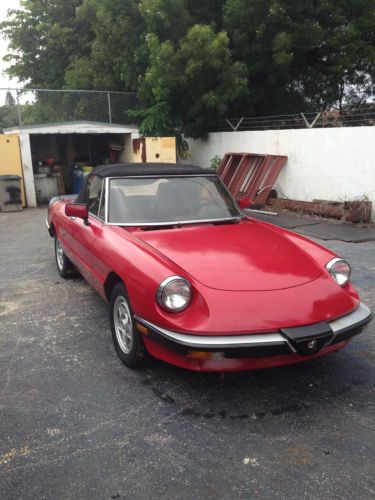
193	280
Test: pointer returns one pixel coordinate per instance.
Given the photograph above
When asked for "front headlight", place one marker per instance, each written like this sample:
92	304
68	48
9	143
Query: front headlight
174	294
339	269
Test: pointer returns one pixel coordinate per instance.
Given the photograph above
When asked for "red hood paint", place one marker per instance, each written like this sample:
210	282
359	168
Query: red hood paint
247	256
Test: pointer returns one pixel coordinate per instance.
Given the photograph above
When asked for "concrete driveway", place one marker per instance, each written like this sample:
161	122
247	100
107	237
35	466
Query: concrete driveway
75	423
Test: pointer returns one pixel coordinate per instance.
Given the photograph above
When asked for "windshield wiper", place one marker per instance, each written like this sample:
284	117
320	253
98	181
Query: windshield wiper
235	220
180	224
159	228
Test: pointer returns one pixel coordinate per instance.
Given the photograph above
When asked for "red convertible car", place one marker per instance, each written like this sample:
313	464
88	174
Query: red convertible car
195	282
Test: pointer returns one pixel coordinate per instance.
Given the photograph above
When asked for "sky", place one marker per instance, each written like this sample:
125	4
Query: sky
4	80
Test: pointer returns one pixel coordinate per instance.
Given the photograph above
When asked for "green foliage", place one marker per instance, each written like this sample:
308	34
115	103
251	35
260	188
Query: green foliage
9	99
192	62
116	56
167	19
196	81
156	120
215	163
42	37
8	112
207	12
303	55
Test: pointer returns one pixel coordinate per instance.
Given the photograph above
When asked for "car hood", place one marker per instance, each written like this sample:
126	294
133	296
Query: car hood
247	256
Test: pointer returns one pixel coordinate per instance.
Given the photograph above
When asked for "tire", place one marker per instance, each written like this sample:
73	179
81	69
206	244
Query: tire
127	340
64	265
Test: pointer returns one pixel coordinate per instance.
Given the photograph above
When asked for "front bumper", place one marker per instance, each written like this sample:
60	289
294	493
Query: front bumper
303	341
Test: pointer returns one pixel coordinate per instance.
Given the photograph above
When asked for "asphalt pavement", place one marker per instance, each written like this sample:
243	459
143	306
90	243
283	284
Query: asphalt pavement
313	227
75	423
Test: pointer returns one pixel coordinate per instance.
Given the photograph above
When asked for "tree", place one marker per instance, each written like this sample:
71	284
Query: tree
195	83
9	99
207	12
192	62
117	56
302	55
42	38
8	112
167	19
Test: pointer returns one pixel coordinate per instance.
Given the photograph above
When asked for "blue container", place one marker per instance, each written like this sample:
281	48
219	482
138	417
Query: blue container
77	180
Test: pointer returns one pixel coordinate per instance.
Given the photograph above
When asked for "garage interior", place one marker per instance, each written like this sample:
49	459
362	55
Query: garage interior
57	157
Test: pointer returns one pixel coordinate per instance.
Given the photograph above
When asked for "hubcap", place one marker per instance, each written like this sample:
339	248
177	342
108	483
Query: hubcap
59	255
123	324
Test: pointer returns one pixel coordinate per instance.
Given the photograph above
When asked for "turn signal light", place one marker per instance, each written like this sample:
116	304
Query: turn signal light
204	355
142	329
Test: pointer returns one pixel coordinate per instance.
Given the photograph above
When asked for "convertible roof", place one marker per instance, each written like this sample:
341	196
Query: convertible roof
127	169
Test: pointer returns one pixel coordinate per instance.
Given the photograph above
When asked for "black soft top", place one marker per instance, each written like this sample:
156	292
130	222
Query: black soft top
126	169
131	169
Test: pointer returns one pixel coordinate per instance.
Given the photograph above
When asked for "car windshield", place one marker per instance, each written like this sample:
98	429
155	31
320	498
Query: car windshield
169	200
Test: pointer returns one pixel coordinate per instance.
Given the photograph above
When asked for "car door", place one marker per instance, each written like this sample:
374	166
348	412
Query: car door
65	231
86	232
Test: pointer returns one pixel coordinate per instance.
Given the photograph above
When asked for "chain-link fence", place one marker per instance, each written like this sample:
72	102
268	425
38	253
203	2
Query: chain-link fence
21	107
355	117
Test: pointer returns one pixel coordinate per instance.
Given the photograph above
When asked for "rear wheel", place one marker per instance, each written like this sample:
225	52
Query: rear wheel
127	340
64	265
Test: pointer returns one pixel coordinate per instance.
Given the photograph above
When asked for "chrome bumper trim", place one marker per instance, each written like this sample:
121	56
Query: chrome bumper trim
216	341
361	316
362	313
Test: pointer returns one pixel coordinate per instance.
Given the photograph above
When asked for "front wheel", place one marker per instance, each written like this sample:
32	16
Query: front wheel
127	340
64	265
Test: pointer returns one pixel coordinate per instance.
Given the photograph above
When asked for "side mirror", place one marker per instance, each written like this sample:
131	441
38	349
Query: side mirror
77	210
245	202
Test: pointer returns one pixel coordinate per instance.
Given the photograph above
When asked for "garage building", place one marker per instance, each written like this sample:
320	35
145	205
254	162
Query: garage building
49	153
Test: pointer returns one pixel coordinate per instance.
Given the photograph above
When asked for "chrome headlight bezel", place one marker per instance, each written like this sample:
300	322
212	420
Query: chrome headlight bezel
340	278
162	297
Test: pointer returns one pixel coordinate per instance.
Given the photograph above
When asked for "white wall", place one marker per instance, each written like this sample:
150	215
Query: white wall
326	163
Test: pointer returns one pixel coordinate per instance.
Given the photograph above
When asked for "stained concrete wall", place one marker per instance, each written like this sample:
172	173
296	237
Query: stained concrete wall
331	163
